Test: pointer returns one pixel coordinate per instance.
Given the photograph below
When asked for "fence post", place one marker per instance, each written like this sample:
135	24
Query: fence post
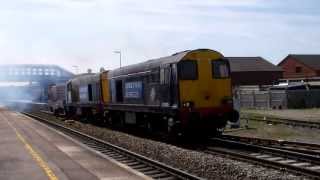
253	99
239	98
269	99
286	98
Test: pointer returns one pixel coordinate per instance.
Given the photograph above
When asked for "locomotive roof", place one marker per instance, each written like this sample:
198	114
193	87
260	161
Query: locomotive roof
151	64
85	76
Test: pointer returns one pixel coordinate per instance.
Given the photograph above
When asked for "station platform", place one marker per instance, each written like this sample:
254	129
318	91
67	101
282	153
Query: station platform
30	150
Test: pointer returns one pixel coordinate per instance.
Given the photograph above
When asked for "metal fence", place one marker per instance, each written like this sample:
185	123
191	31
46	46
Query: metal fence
278	99
303	98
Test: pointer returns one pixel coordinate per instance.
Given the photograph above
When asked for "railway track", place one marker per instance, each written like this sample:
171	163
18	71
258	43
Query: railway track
306	164
147	166
299	158
291	122
306	148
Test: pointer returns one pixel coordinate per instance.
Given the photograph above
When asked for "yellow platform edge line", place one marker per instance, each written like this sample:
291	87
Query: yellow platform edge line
36	156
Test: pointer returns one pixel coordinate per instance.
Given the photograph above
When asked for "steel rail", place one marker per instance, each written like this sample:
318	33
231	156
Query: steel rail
299	163
242	149
306	148
292	122
147	166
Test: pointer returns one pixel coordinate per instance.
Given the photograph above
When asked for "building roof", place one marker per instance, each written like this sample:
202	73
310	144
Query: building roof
311	60
244	64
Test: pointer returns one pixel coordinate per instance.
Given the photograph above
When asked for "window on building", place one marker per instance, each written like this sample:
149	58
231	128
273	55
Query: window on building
298	69
188	70
220	69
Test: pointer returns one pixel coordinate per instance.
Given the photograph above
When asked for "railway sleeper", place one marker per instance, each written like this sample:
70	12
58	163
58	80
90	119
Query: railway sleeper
106	151
140	166
133	163
153	172
120	159
314	168
117	156
148	168
169	178
275	159
129	161
301	164
161	175
99	148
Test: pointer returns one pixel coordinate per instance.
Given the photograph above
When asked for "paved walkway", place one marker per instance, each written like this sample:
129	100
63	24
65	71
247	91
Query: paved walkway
30	150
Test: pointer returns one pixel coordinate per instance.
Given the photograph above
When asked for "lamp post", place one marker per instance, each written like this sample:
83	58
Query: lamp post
76	68
118	52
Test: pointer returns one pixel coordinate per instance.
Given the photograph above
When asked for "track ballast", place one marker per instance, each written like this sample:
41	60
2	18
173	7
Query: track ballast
147	166
306	164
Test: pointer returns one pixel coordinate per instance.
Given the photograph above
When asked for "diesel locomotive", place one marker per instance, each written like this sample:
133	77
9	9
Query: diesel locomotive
186	93
56	98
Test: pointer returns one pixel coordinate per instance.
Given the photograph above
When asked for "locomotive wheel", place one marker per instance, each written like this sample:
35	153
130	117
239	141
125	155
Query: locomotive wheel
149	127
117	120
218	132
56	112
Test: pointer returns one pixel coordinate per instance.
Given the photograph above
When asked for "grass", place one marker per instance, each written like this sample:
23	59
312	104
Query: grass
298	114
284	132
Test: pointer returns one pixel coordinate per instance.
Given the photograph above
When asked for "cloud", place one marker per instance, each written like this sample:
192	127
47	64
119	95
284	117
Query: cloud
86	32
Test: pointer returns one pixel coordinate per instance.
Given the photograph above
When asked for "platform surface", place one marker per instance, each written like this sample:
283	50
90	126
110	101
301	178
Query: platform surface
32	151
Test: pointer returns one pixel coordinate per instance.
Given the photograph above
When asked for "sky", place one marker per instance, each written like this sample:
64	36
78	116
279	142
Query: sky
85	33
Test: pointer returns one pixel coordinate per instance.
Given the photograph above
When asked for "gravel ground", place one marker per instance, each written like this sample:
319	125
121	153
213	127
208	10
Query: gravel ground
198	163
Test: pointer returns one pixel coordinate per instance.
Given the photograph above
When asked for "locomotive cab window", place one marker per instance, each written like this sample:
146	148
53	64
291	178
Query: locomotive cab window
188	70
220	69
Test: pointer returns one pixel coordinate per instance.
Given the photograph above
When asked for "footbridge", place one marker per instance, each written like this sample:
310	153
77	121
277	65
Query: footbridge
39	77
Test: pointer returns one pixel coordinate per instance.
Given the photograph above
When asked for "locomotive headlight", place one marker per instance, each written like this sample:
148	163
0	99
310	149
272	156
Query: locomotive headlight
170	122
187	104
227	100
